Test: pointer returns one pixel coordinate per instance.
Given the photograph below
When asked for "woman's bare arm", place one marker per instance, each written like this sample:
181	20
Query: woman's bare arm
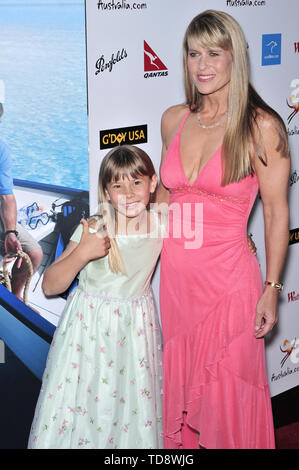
273	182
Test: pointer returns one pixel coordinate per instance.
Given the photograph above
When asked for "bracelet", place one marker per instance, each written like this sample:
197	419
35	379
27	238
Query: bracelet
10	231
276	285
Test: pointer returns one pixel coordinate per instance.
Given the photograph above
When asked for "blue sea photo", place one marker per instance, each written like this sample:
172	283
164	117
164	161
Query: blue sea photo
43	67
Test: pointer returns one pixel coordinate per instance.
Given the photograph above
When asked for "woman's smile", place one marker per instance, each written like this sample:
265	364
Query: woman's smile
205	78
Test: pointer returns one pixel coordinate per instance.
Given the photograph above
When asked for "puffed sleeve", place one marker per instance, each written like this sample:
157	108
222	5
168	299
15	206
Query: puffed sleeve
76	237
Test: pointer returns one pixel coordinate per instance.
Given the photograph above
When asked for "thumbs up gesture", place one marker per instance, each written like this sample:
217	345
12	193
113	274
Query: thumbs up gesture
93	245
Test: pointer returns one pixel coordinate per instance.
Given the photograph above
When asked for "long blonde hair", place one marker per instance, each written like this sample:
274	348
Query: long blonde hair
122	161
215	28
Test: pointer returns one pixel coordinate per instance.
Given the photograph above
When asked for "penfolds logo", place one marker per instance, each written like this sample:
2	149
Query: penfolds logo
102	64
296	46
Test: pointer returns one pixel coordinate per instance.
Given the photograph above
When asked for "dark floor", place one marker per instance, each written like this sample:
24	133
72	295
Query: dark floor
19	390
287	437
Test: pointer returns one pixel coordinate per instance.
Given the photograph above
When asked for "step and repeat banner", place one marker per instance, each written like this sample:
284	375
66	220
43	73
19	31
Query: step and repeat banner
134	72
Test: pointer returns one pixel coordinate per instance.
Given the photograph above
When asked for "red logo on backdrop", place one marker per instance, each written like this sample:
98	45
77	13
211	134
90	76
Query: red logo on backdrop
292	296
152	62
296	46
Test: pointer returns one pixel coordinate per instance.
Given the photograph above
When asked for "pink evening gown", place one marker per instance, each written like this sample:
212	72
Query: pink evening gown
216	392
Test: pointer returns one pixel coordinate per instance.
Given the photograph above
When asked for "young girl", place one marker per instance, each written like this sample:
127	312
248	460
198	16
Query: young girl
102	383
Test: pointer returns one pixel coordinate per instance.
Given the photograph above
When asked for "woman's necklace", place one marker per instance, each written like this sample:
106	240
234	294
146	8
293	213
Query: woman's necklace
212	125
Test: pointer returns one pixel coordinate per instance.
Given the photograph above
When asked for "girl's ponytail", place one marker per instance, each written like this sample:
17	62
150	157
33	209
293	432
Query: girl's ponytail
105	221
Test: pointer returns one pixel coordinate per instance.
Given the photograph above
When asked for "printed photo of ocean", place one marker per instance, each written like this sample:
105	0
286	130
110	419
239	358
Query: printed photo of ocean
43	67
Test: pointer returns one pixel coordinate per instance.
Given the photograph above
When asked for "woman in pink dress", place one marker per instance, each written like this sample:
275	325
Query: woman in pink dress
219	149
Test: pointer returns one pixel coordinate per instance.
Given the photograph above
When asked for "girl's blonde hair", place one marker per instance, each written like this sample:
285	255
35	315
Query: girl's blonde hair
120	162
218	29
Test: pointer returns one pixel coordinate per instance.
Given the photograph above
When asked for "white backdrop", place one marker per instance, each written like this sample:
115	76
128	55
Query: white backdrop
134	72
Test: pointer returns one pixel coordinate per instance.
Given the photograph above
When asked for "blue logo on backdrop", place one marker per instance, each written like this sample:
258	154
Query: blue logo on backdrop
271	49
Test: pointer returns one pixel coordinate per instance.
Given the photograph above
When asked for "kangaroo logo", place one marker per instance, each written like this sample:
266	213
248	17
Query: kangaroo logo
151	61
272	45
271	49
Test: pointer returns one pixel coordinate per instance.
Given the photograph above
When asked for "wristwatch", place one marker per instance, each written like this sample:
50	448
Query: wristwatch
276	285
10	231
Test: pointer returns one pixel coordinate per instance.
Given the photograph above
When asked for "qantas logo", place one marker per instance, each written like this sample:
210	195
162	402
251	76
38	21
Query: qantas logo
153	65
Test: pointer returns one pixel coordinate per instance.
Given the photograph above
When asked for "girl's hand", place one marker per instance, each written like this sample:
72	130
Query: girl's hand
93	245
266	312
251	244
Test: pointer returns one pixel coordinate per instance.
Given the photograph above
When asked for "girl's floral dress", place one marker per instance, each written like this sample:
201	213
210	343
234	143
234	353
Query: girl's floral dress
102	384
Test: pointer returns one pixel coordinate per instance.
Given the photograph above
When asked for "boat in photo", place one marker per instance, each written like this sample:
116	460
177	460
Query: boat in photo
59	212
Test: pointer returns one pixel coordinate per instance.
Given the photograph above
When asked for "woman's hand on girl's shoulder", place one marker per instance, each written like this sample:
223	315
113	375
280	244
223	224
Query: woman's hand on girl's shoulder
93	245
251	244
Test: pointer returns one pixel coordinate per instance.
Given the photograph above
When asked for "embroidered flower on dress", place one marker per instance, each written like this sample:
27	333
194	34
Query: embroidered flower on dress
122	342
146	393
79	315
83	442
